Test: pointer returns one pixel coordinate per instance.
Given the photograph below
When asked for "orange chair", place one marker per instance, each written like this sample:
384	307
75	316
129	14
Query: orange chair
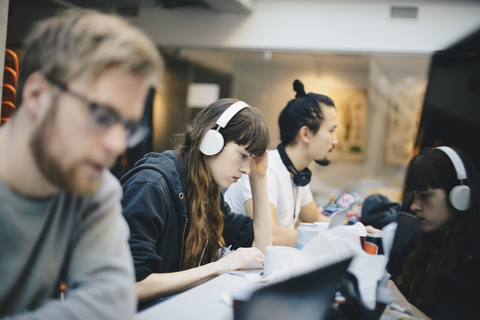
3	121
9	92
10	76
7	110
11	60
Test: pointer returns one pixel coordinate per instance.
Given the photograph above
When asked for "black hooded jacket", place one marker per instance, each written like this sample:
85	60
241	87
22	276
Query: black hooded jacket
155	208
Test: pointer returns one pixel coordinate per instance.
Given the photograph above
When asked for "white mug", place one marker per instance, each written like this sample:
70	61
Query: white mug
277	257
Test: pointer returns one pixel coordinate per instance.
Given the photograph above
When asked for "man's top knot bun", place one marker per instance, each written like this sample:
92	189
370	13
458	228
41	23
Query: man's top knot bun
299	88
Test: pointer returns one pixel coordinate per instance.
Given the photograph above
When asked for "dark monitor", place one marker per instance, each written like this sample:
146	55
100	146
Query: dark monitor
451	110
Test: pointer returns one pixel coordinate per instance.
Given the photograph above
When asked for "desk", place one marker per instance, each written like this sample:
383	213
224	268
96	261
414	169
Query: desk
201	302
204	302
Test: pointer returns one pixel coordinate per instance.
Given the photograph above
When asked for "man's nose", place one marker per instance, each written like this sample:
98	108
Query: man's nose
114	140
335	140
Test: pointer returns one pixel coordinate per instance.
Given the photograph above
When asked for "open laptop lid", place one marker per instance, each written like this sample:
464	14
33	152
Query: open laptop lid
308	296
338	218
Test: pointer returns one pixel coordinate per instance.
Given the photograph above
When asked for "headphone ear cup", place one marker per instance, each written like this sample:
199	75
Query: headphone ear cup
302	178
460	197
212	143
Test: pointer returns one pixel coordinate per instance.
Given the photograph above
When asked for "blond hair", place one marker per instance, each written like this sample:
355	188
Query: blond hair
80	44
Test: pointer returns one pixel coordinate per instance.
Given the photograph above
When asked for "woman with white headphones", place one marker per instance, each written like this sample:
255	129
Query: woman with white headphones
179	222
444	189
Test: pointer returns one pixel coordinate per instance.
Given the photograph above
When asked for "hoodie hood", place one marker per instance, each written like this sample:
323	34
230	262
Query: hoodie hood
164	165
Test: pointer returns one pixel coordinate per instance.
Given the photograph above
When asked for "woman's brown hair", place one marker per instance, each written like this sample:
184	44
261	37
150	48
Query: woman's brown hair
204	229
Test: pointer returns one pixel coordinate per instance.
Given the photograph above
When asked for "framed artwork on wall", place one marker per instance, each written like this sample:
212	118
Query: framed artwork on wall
402	125
352	111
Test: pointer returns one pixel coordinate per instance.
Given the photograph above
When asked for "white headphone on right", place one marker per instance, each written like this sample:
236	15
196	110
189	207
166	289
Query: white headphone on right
460	195
212	143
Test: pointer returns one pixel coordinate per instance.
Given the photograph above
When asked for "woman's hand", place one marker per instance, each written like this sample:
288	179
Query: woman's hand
164	284
371	229
259	165
400	299
397	296
240	258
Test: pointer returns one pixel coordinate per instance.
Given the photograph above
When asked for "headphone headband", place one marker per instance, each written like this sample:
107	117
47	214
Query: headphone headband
459	196
213	142
231	111
457	162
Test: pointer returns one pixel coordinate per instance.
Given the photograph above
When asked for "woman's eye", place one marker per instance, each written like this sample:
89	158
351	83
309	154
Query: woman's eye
423	196
244	156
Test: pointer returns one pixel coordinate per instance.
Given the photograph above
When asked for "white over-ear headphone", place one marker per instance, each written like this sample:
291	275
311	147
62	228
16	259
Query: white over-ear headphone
212	142
460	195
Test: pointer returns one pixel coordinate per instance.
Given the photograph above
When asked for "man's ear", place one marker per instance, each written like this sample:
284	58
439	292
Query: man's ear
304	134
36	94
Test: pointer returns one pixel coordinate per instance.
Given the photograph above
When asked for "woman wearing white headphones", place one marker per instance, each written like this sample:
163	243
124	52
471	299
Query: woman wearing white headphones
178	220
444	189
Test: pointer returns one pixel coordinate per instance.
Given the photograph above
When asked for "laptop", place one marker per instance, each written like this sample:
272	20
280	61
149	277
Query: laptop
338	218
307	296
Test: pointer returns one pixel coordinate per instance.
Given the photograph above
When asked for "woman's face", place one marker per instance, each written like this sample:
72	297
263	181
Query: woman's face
431	208
229	165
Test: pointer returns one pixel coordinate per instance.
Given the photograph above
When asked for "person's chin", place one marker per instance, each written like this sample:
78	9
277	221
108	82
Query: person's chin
86	189
425	227
323	162
85	185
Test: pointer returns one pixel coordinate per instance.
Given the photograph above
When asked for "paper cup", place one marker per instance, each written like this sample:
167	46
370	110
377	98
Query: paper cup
277	257
362	232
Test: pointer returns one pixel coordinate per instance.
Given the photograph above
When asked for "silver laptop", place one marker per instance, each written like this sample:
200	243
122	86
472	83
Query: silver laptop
338	218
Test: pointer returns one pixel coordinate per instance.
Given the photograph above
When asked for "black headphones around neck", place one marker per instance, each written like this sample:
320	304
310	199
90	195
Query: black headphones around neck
301	178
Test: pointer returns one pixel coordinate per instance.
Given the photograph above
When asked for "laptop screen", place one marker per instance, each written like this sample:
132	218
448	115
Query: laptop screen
307	296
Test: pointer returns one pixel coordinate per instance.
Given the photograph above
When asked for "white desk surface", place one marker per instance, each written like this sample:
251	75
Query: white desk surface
201	302
204	302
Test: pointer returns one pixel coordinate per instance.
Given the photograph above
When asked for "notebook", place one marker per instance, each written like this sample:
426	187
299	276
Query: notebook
308	296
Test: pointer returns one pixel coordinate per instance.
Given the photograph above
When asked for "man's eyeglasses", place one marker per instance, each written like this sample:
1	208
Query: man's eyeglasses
105	117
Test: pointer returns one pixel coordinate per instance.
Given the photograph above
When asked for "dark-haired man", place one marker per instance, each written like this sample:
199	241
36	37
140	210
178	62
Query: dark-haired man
307	133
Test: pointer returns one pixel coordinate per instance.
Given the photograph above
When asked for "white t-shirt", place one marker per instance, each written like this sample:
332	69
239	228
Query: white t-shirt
282	192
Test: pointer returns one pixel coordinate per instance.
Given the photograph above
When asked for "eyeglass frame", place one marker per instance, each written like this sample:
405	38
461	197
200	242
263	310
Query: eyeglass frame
136	131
